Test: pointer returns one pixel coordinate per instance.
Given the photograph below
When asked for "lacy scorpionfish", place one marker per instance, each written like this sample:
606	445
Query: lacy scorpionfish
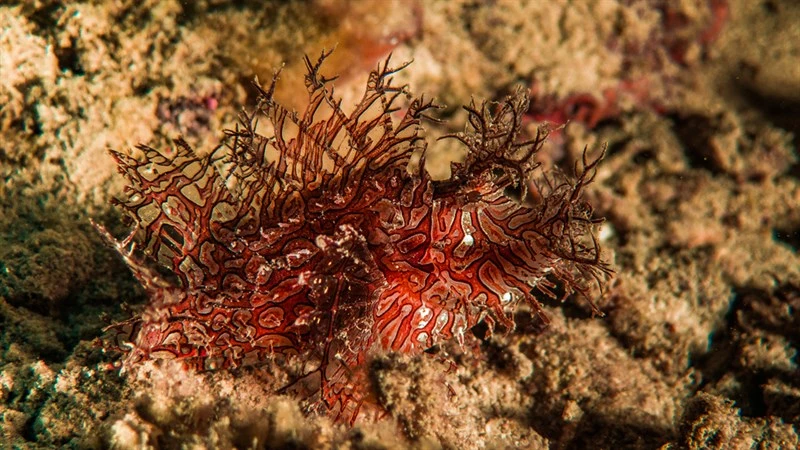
320	241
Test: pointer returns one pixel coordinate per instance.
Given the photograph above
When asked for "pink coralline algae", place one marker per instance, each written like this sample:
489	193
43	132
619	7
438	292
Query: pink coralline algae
318	242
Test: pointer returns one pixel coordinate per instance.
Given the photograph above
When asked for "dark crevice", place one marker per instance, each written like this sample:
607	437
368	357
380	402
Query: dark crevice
597	431
29	432
45	17
753	313
780	111
695	132
69	59
790	238
771	7
714	364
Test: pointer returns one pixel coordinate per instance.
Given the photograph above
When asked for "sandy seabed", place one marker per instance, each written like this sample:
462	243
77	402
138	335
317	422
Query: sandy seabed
699	102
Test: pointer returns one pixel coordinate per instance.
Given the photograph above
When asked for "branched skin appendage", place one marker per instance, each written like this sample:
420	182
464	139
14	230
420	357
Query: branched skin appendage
317	242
